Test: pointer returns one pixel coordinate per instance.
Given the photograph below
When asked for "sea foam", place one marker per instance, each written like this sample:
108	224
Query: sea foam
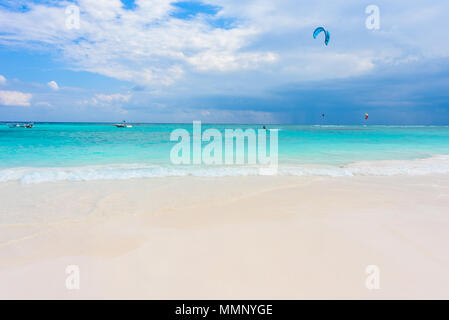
28	175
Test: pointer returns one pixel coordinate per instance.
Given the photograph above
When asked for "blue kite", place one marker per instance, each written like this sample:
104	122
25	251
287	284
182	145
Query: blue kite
326	34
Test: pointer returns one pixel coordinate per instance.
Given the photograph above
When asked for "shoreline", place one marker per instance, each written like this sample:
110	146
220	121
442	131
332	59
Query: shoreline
253	237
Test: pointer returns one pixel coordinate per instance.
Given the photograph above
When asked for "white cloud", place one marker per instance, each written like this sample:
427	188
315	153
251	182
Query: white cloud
2	79
146	45
223	61
107	99
112	98
15	98
53	85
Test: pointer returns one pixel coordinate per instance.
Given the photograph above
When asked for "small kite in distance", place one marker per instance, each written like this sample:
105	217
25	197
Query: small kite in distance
366	116
326	34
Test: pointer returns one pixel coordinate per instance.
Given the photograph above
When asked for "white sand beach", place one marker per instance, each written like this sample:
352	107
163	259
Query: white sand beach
227	238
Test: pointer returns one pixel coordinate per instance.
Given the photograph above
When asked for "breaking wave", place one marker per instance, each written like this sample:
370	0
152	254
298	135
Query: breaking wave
30	175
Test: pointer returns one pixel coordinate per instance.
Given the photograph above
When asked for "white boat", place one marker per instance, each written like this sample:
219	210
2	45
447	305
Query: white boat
123	125
21	125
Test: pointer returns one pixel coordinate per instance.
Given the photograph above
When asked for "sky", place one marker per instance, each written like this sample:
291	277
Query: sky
224	61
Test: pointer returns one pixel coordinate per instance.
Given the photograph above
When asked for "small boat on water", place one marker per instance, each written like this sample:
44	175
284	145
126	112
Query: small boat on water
22	125
123	125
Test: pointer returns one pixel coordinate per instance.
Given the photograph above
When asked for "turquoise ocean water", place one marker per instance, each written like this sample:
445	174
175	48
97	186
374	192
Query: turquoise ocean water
92	151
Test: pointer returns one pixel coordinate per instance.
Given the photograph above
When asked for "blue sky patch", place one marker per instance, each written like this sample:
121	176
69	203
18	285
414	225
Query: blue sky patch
129	4
222	23
189	9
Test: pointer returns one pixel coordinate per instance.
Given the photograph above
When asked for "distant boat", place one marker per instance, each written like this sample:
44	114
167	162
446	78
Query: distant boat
123	125
21	125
